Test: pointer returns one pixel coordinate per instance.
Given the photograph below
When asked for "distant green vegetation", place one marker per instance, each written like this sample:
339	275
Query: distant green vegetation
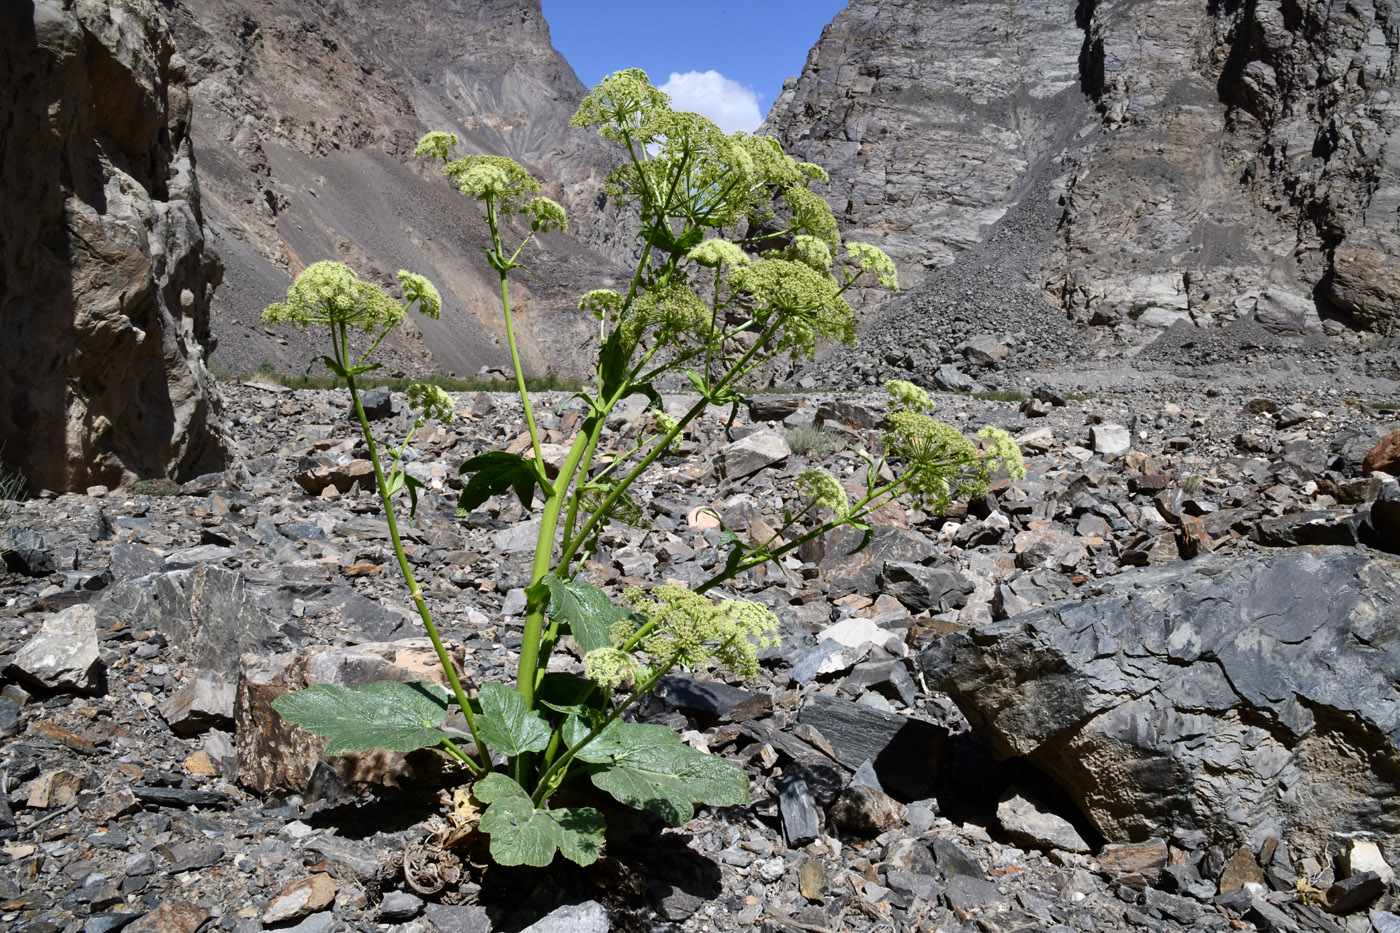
1000	395
547	383
156	487
12	485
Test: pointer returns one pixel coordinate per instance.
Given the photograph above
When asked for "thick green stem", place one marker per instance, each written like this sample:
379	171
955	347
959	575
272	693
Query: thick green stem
611	499
734	373
544	552
594	432
532	639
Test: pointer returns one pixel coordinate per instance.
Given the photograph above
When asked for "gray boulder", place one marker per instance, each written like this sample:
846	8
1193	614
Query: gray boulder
753	453
1243	698
63	654
206	610
847	570
919	587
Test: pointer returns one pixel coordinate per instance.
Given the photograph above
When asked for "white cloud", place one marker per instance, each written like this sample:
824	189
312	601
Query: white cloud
709	93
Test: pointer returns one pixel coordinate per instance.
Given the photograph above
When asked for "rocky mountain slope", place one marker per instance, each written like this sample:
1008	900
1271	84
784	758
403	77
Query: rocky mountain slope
1205	162
306	118
105	281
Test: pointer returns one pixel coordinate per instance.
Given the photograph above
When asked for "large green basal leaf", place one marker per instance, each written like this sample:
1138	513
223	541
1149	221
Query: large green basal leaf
507	724
648	767
586	610
522	835
385	714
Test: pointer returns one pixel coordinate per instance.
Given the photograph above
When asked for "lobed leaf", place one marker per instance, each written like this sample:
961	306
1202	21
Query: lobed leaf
386	714
523	835
586	610
648	767
569	694
494	473
507	724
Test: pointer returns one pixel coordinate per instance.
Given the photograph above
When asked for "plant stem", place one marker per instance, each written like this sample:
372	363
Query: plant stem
543	789
510	338
859	510
414	590
544	551
735	372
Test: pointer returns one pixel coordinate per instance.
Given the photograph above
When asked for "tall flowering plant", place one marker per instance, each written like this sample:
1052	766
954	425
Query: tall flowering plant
740	262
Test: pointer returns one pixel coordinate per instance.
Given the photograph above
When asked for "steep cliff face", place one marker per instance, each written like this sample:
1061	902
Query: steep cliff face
104	279
1313	85
1245	167
930	117
308	117
1239	160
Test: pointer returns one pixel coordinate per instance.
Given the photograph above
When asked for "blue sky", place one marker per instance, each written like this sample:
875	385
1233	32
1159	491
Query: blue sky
724	59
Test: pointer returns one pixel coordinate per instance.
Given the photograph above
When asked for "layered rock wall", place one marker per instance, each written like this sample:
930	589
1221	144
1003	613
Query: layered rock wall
104	279
929	117
1245	167
1239	161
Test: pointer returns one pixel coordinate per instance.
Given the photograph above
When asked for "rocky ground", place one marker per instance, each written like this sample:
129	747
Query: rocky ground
142	633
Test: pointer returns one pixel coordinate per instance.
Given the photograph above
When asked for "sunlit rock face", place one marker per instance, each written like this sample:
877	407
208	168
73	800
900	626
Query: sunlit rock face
1210	161
105	283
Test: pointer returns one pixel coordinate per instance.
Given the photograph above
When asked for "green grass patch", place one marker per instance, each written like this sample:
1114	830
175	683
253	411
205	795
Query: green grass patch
548	383
1000	395
156	487
812	441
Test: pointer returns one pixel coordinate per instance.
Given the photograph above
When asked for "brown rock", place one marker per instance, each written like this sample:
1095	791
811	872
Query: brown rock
113	804
204	702
275	756
345	476
54	789
1385	456
201	763
1239	870
1137	865
867	811
171	917
1194	539
313	474
300	898
811	879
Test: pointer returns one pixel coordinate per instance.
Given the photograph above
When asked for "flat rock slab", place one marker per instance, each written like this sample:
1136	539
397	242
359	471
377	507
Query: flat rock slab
1385	456
753	453
1030	823
1243	698
908	754
209	610
848	570
588	917
713	698
62	655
